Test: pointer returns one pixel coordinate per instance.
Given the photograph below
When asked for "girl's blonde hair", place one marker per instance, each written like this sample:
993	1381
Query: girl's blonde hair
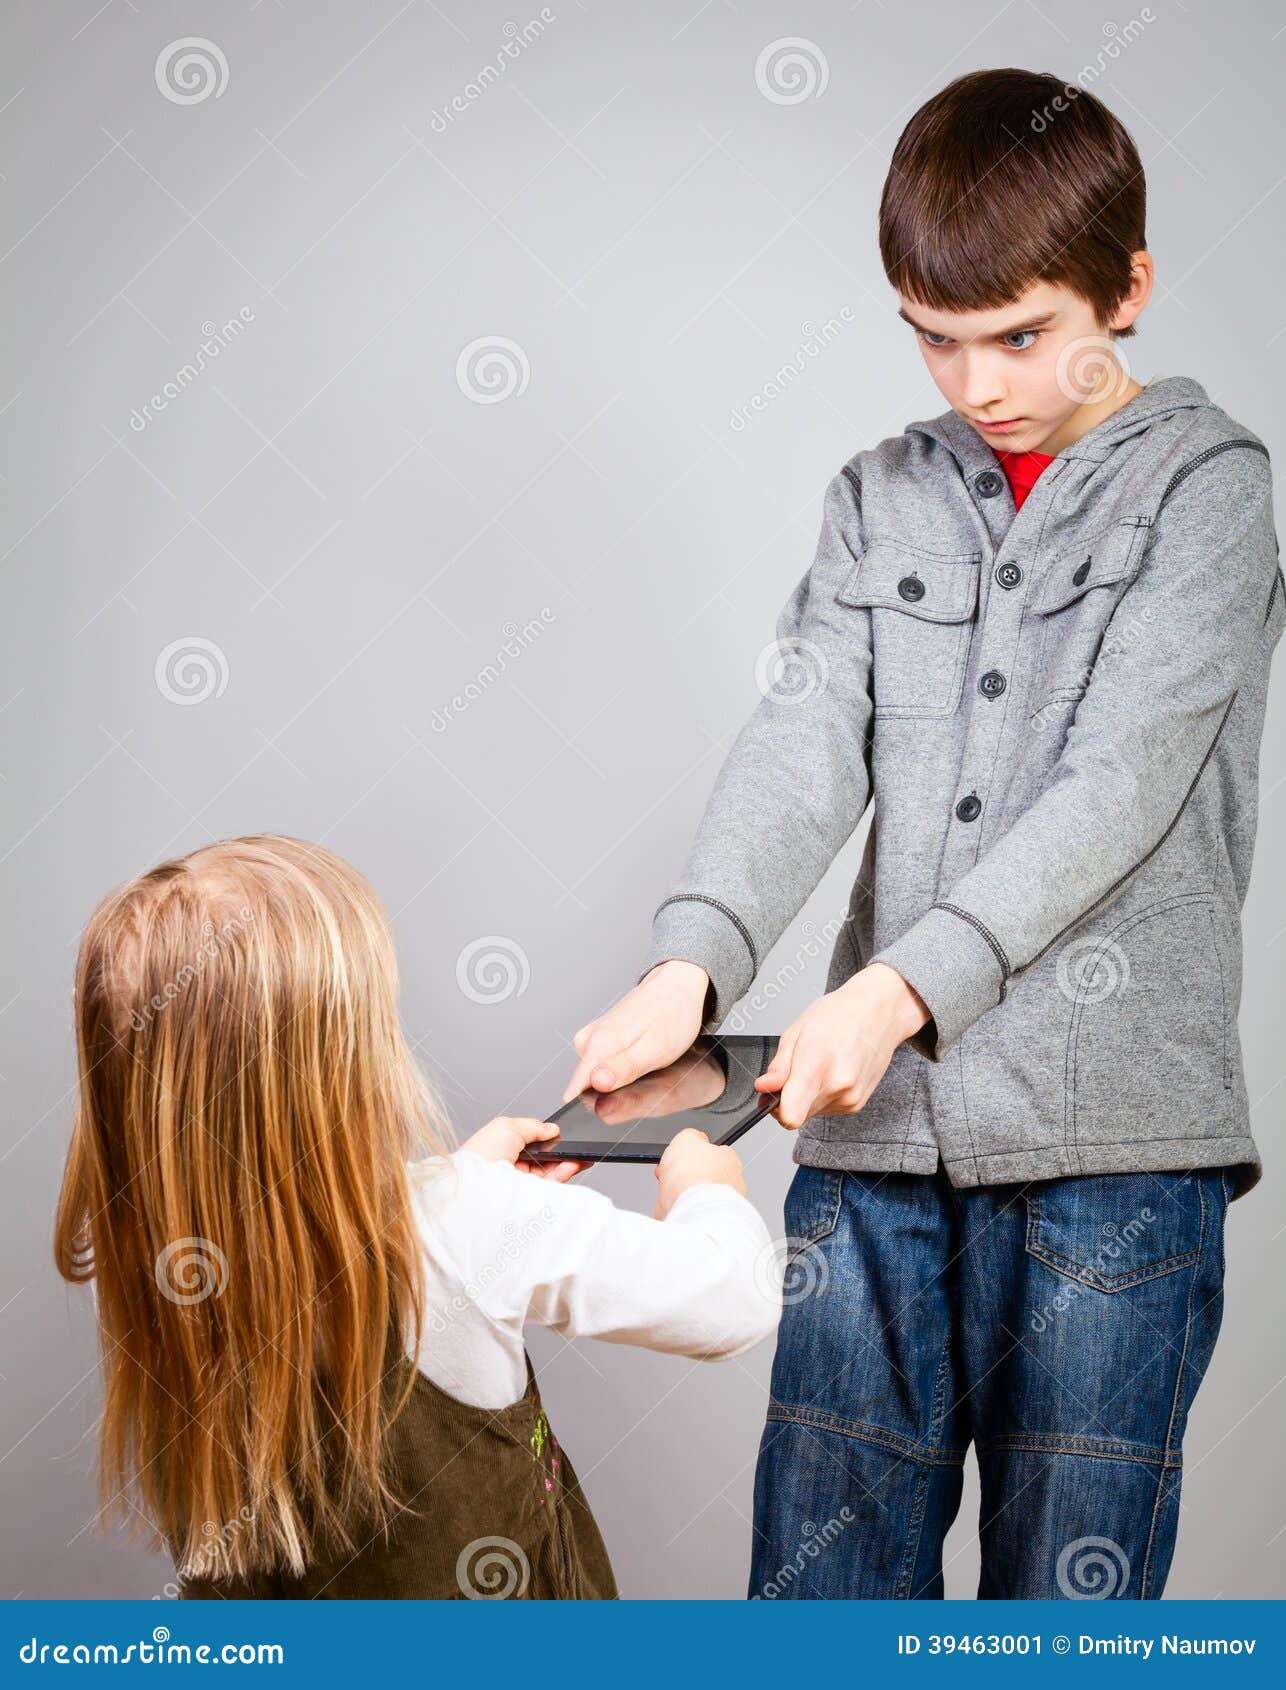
236	1187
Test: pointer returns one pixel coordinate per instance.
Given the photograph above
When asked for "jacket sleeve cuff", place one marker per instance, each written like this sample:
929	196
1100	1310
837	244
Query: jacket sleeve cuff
957	966
696	929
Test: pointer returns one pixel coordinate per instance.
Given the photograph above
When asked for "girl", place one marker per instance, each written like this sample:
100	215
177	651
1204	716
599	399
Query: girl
316	1383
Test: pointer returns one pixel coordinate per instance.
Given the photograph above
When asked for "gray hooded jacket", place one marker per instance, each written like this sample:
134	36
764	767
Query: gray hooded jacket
1058	716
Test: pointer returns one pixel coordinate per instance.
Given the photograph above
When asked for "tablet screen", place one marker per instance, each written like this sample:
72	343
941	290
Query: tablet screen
711	1087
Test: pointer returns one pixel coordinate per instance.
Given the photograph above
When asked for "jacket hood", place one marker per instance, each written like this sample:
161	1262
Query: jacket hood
1162	397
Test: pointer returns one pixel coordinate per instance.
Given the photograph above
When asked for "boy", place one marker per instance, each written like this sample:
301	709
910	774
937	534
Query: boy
1037	635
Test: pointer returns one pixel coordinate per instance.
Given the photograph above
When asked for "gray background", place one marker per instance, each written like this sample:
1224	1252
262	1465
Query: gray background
355	536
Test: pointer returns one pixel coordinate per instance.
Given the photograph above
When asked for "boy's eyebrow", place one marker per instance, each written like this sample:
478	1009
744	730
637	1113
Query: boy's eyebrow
1015	328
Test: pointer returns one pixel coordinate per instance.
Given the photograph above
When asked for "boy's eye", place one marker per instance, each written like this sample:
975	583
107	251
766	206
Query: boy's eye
1027	336
934	339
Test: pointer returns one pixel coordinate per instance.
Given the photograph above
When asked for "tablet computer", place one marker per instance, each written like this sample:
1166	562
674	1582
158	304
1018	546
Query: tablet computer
711	1086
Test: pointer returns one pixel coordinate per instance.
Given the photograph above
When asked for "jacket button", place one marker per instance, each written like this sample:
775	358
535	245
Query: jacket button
1009	575
911	588
970	808
1080	575
989	483
992	684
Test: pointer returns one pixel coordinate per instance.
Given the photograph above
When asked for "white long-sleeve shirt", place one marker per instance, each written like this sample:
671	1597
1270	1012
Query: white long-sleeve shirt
501	1248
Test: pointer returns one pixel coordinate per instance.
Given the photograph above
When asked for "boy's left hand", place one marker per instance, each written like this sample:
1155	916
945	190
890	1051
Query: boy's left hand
505	1139
833	1056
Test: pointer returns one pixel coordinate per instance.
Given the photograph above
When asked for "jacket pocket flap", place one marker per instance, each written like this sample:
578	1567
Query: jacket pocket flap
1102	560
891	576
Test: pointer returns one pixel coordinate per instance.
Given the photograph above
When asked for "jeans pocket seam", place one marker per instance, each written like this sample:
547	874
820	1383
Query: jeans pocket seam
1083	1274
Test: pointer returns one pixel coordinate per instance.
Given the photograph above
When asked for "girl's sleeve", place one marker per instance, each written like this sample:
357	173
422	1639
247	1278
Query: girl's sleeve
705	1282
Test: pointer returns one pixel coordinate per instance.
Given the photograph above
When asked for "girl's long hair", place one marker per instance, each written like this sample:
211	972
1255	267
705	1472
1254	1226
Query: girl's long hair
236	1187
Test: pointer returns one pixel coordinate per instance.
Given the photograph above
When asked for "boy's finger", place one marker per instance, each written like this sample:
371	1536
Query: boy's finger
777	1072
796	1098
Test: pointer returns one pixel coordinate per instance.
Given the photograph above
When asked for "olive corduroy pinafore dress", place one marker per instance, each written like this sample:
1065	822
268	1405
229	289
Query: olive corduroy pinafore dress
492	1508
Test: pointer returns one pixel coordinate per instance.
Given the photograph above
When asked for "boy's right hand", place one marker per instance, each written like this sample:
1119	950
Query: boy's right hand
690	1159
650	1026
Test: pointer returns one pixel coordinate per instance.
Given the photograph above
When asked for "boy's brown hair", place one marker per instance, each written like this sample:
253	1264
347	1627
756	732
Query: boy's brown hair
1006	178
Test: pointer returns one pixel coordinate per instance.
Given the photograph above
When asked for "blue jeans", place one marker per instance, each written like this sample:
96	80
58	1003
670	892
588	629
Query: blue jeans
1061	1327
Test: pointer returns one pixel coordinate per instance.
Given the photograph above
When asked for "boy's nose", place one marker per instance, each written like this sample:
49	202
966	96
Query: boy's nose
981	389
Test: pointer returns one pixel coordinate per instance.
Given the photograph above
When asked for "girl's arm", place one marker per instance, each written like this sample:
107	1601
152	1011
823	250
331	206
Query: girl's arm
700	1279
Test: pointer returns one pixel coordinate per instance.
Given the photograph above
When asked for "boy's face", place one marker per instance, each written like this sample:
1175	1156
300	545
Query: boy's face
1034	375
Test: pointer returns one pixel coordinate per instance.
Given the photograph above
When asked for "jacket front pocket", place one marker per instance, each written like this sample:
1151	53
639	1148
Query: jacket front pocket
1148	1044
1075	603
1115	1231
922	607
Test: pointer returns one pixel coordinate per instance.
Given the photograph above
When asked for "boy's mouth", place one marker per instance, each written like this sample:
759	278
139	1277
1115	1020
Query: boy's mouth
1000	426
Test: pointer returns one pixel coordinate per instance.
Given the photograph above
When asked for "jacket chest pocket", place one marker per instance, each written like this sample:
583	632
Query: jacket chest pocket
1078	595
922	607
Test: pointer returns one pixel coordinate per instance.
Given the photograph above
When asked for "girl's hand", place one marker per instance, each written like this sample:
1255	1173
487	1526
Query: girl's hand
691	1159
505	1139
833	1056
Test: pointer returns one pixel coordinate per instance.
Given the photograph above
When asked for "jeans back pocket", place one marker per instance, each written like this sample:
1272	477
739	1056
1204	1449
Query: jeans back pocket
1112	1231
